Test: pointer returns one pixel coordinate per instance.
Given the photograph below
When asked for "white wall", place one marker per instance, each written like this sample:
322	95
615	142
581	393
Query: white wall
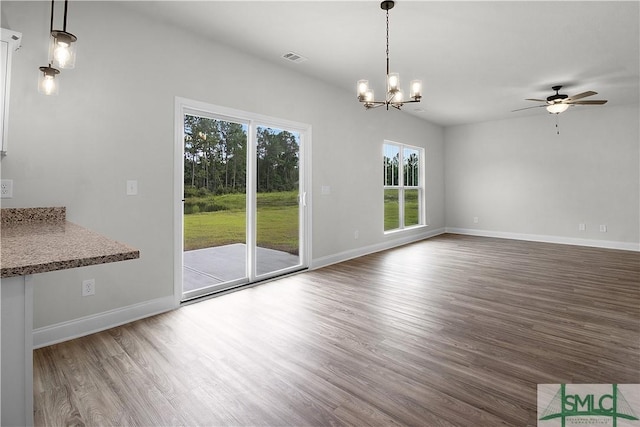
520	178
113	121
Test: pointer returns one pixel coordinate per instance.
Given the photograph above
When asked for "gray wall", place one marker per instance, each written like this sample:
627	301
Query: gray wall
114	120
518	176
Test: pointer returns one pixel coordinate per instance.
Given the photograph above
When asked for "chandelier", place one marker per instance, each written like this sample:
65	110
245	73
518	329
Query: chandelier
394	97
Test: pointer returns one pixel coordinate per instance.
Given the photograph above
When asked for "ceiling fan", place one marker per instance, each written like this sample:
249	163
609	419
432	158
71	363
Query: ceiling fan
559	102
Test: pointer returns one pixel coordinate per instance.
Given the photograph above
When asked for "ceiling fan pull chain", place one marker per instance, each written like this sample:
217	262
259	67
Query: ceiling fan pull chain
557	124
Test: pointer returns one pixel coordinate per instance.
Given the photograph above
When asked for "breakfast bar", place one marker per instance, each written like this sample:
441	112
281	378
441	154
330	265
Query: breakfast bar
36	241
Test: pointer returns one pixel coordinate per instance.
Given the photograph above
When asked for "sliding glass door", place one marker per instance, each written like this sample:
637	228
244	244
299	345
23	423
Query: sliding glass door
243	216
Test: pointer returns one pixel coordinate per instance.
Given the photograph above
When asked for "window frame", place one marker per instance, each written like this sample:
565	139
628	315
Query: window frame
401	187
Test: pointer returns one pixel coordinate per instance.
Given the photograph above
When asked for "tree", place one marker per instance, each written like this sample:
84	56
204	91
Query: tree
215	154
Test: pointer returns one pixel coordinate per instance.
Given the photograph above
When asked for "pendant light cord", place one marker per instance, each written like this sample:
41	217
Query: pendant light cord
64	23
51	25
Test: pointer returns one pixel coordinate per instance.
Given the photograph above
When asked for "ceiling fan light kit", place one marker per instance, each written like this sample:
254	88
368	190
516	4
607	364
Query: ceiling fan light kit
557	108
559	102
395	96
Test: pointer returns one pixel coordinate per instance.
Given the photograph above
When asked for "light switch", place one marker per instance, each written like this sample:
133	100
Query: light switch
325	189
132	188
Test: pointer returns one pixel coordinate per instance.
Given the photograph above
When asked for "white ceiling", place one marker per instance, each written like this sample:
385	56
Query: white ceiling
478	59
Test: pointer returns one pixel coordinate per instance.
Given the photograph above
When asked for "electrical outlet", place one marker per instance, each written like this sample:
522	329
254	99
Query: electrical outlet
582	226
6	188
132	188
88	287
475	220
356	235
603	228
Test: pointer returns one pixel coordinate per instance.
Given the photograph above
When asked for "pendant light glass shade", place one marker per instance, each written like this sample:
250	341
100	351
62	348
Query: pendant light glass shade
62	49
393	82
361	88
415	89
47	83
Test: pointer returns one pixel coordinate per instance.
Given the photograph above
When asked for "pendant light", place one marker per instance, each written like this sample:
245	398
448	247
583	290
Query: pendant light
62	54
47	83
62	49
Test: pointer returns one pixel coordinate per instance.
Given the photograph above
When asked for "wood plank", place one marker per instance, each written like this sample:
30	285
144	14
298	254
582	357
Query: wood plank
450	331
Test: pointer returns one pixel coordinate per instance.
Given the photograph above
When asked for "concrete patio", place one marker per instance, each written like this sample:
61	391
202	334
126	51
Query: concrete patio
212	266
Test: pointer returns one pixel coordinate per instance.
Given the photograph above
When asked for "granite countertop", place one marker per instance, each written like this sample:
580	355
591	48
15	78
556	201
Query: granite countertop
37	240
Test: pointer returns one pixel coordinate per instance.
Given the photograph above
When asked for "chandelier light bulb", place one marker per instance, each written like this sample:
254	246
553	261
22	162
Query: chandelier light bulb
362	88
416	89
393	82
368	96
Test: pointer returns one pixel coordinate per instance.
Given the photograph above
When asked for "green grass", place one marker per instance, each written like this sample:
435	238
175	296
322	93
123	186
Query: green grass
392	209
209	229
277	221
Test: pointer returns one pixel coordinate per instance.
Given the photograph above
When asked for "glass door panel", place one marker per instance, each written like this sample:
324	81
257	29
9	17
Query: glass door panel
215	217
278	200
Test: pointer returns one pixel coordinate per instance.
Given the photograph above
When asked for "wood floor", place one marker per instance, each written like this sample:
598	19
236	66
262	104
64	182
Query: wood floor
451	331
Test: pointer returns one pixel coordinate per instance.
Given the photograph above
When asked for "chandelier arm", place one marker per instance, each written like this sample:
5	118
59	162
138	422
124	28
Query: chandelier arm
376	105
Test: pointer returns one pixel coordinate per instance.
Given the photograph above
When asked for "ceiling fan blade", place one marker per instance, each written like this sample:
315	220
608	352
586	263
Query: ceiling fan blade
592	102
581	95
536	100
527	108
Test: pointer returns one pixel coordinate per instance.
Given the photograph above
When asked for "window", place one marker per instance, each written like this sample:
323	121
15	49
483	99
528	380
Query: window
403	186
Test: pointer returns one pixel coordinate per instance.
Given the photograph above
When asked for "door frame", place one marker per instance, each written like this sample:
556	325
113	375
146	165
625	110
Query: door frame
185	105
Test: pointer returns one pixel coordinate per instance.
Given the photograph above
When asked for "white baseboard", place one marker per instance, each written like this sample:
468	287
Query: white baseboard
76	328
392	243
607	244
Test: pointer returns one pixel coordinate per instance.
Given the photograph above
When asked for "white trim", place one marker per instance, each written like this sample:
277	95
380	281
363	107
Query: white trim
401	187
178	195
28	352
366	250
607	244
80	327
11	41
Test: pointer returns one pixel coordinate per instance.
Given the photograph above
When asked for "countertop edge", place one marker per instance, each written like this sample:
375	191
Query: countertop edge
64	265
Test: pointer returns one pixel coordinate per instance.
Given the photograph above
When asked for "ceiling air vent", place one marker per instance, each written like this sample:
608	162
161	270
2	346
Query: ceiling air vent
294	57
